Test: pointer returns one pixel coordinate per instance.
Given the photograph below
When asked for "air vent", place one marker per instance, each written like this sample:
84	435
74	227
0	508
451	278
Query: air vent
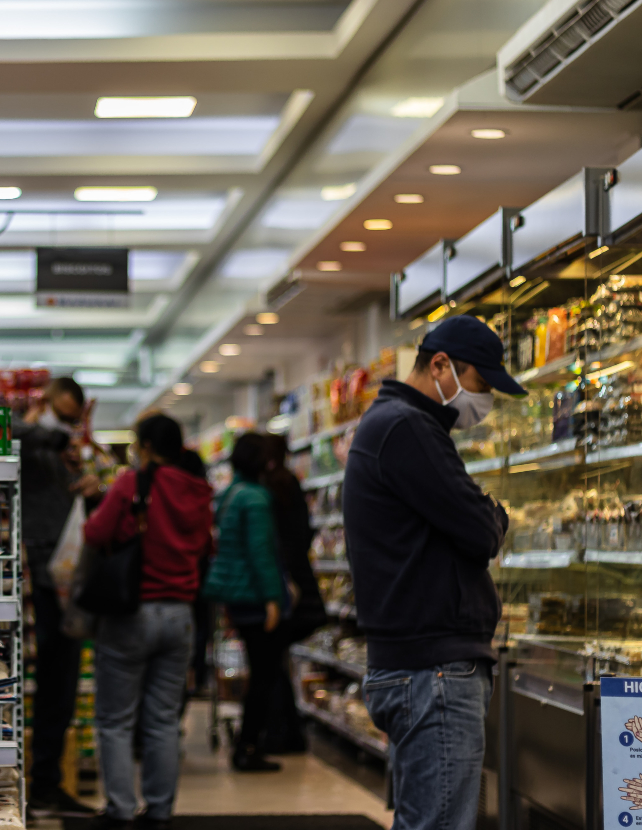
574	31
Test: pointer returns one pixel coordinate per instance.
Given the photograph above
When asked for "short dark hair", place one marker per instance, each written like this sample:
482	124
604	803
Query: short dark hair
249	455
422	363
193	464
66	386
163	435
276	448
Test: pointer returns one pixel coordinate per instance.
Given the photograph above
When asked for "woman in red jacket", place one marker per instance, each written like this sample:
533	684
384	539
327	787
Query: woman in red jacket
142	660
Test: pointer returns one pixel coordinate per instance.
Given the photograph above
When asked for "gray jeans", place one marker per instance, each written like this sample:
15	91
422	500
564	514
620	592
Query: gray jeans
141	663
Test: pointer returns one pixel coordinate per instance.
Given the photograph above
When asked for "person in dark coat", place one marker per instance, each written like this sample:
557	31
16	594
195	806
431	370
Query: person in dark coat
294	534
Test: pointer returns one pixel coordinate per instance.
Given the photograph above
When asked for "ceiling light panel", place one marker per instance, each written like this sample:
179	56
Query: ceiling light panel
10	193
229	349
253	330
166	107
267	318
329	265
297	213
377	224
254	263
17	272
371	133
409	198
115	194
225	136
488	134
417	107
353	246
336	193
445	169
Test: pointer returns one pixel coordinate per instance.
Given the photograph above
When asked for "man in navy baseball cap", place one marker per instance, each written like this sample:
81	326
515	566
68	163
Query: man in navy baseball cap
471	341
420	534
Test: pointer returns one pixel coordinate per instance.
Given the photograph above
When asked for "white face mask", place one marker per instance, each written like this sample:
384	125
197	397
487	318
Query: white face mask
49	420
473	407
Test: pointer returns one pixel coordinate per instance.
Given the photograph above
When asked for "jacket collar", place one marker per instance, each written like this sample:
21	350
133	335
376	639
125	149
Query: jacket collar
445	415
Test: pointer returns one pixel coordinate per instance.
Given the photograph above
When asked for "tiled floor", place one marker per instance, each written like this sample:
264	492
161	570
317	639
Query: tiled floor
305	785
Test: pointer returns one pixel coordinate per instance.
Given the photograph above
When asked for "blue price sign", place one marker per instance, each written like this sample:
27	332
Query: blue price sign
621	751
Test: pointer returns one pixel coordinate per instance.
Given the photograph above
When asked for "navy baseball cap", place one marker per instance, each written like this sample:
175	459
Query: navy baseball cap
467	338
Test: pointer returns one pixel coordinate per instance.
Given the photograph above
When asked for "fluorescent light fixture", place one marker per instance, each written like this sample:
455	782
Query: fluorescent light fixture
267	318
86	377
610	370
417	107
516	281
353	246
253	330
415	324
153	107
229	349
598	251
409	198
254	263
279	424
209	367
115	436
445	169
328	265
10	193
182	388
488	134
115	194
377	224
524	468
339	192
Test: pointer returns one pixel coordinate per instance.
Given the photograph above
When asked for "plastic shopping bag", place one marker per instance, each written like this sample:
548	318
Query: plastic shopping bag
67	552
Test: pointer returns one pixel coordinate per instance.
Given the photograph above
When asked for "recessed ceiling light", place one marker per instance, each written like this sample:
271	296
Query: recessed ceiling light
517	281
175	106
328	265
209	367
115	194
267	318
417	107
339	192
229	349
488	134
598	251
253	330
445	169
353	246
182	388
10	192
409	198
377	224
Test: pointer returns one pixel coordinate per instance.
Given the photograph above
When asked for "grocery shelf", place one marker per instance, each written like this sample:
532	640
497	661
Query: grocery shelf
550	370
484	465
370	744
303	443
623	557
614	453
326	658
331	520
540	559
327	480
9	609
341	609
331	566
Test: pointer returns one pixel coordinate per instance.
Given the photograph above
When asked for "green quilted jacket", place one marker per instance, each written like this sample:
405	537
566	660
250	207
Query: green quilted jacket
246	568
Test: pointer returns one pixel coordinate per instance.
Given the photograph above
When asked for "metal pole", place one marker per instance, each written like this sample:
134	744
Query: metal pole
505	748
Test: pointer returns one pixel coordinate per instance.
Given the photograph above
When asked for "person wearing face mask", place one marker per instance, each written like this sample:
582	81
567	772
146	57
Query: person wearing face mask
420	535
49	487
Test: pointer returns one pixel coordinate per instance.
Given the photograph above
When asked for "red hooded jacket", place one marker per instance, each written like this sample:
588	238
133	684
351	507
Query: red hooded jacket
179	530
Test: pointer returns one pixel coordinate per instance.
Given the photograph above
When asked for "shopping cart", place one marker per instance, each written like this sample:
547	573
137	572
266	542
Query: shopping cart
229	680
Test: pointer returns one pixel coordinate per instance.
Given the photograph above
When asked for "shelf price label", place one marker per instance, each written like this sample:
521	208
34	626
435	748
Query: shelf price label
622	751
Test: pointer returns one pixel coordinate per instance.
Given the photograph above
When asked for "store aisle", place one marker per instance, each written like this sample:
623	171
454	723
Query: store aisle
305	785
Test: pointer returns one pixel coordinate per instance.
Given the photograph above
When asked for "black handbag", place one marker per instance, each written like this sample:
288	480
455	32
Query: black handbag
112	585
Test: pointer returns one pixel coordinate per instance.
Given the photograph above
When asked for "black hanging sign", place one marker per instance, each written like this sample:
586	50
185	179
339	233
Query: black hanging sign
82	277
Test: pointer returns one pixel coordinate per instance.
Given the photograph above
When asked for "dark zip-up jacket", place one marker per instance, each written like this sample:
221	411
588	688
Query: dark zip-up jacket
420	534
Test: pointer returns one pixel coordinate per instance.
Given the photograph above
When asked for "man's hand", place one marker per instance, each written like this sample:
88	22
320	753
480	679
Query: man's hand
272	616
88	487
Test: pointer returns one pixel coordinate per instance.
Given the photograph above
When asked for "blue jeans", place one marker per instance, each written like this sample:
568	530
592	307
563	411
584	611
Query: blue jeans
434	719
141	664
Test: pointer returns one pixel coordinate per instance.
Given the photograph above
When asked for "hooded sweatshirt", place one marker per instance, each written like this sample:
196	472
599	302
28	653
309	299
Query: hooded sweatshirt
179	530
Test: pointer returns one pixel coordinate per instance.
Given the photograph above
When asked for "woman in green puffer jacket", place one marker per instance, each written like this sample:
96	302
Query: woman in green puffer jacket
247	576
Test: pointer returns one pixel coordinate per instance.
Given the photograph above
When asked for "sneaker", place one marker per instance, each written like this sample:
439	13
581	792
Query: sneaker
103	821
247	759
56	803
145	822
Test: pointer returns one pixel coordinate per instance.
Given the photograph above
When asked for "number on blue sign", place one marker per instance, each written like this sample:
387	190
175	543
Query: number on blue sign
625	819
626	738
